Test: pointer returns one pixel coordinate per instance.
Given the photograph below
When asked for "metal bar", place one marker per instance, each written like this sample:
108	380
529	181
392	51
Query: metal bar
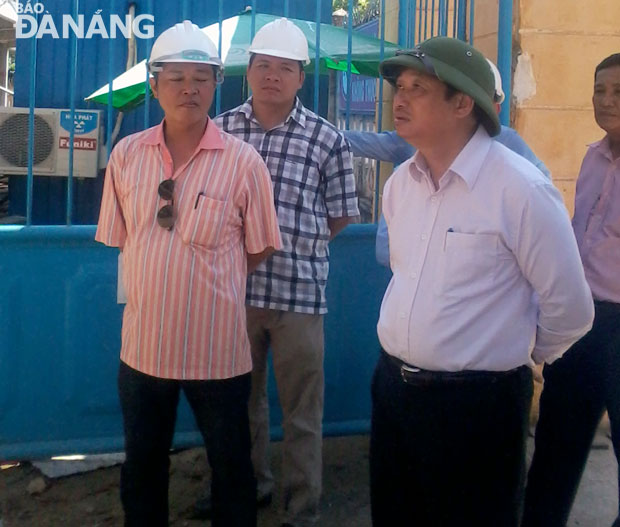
31	98
6	90
504	55
410	24
405	21
73	43
414	9
110	109
185	10
425	19
461	32
442	18
218	90
432	18
403	7
454	18
472	9
349	75
286	8
147	86
245	88
380	109
253	21
419	19
317	56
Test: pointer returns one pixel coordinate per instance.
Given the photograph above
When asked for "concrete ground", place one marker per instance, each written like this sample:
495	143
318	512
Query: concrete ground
596	504
345	497
91	499
346	480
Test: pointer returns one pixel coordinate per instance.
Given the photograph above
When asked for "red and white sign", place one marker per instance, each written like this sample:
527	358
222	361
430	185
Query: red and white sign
79	143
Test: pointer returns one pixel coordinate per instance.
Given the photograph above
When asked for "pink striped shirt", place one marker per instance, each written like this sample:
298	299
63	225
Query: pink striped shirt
185	312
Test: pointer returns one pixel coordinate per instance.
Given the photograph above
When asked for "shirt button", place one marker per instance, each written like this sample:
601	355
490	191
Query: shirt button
413	275
433	200
402	314
423	236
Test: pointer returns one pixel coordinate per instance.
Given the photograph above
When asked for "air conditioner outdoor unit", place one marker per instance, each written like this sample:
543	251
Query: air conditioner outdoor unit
52	127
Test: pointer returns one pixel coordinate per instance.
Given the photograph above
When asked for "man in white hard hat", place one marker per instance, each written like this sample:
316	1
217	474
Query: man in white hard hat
314	189
191	208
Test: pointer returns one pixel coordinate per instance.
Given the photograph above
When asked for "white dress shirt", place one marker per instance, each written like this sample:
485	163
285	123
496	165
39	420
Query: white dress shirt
467	259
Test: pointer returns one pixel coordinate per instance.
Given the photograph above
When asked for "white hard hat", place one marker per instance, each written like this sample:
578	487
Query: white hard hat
281	38
185	42
499	92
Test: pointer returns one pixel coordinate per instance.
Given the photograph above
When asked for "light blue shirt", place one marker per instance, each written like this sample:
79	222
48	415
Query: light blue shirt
390	147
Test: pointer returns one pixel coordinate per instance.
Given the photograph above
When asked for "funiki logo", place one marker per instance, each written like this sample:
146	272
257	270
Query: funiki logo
33	20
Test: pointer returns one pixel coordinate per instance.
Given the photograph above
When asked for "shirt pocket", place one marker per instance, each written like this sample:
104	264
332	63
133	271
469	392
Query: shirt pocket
469	264
205	224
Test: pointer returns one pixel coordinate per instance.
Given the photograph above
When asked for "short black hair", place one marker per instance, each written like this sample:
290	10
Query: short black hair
479	115
252	55
450	92
609	62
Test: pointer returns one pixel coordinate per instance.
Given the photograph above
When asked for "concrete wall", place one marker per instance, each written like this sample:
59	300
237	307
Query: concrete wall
558	45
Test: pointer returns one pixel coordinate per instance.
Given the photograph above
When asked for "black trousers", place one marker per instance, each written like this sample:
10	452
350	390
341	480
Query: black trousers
448	454
578	388
220	407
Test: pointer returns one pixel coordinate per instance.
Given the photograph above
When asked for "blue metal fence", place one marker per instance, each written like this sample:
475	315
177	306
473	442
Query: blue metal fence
59	341
59	346
84	64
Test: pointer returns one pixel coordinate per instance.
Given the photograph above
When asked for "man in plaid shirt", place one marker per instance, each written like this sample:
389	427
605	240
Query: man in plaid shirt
314	189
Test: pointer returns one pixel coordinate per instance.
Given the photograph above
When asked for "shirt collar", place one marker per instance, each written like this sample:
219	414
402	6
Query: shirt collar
602	147
298	113
211	139
467	163
417	165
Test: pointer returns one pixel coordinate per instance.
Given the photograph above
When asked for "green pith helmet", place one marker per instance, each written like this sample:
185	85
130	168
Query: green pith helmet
455	63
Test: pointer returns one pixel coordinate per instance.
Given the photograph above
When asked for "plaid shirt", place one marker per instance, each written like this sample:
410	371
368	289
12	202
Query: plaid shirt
312	174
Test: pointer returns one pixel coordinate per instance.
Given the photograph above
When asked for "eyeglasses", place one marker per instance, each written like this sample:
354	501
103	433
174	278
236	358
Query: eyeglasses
165	215
424	59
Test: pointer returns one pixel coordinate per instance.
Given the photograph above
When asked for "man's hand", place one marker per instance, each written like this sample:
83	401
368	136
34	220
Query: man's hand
255	259
337	224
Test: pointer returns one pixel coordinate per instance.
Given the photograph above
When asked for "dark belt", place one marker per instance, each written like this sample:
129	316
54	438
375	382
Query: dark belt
419	377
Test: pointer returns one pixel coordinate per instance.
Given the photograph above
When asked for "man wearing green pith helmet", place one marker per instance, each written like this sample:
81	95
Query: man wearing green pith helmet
474	232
